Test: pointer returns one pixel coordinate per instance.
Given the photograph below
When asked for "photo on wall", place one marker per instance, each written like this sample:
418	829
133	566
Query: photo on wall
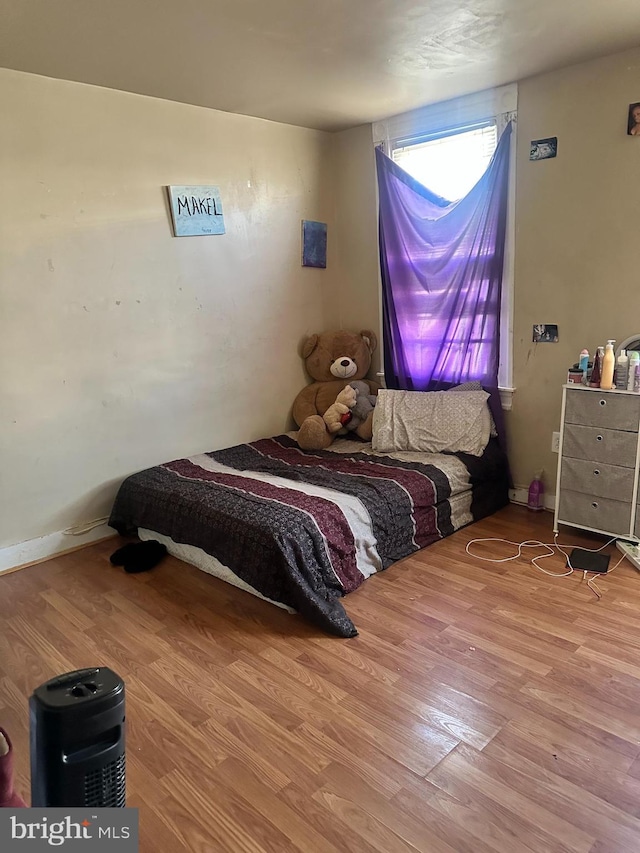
543	149
314	244
633	119
545	333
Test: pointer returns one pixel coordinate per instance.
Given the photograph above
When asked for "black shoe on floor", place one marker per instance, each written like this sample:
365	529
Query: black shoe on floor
139	556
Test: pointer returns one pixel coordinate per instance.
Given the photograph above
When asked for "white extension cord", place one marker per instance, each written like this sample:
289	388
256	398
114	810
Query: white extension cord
85	527
630	550
534	543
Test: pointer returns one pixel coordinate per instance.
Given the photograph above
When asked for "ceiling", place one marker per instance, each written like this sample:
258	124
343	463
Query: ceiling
328	64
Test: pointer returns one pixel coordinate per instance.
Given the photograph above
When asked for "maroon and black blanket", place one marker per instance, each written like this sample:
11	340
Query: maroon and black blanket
303	528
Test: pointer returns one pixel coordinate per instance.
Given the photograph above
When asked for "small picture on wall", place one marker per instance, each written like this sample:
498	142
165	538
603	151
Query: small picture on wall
314	244
545	333
633	120
543	149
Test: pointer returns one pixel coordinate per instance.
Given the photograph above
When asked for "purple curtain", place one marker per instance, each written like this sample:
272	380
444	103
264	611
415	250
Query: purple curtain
441	265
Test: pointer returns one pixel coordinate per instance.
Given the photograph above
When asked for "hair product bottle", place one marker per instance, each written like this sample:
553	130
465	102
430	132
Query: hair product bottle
634	363
535	500
583	365
622	370
594	382
608	366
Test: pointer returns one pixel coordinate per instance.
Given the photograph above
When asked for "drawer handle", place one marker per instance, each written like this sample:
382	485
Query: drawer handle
596	472
599	438
595	504
603	402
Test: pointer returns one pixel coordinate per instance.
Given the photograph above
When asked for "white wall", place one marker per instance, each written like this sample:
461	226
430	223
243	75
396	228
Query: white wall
576	258
354	294
120	345
576	239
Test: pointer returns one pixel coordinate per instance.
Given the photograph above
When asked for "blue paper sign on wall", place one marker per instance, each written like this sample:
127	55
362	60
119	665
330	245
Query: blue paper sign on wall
196	211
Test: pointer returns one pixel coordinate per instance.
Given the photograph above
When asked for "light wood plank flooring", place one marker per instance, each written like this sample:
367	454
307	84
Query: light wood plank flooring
483	707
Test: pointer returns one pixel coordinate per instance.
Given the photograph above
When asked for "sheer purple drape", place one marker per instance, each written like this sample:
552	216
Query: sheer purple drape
441	266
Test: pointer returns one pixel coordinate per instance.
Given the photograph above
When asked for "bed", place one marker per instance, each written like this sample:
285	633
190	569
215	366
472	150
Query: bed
302	529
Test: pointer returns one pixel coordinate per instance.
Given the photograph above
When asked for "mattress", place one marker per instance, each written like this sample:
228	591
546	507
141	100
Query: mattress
302	529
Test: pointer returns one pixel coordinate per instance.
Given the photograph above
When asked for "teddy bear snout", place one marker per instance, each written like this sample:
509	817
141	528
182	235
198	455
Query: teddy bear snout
343	367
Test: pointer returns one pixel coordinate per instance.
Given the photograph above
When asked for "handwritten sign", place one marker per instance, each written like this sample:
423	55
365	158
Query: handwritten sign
196	211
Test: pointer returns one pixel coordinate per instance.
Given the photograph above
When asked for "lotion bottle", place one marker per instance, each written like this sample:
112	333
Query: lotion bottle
608	366
622	370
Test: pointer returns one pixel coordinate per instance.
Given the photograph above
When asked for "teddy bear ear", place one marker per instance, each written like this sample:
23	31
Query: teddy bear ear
309	345
370	338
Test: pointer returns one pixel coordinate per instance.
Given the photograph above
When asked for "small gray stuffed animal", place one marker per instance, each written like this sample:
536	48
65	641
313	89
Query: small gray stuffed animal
365	403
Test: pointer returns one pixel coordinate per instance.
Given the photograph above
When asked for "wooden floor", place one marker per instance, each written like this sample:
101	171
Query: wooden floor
483	707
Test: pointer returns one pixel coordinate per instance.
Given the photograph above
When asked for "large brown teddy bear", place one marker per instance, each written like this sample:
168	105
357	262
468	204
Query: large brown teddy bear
333	359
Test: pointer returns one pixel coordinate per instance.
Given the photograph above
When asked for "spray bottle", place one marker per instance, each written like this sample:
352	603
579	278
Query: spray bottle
535	500
622	370
634	363
608	366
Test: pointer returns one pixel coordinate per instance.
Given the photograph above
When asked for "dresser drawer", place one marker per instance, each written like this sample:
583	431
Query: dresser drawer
612	411
598	513
600	445
597	479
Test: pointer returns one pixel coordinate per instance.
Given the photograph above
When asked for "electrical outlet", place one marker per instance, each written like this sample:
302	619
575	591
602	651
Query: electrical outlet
555	442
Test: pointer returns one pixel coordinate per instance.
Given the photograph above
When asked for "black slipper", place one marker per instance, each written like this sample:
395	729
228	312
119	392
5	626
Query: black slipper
122	555
139	556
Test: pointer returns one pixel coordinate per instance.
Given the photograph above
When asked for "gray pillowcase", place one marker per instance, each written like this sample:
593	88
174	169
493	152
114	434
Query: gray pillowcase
431	421
474	385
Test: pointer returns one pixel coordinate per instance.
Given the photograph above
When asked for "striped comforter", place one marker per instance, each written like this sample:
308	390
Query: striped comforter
303	528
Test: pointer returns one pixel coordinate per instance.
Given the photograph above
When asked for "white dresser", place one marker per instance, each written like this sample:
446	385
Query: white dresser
597	486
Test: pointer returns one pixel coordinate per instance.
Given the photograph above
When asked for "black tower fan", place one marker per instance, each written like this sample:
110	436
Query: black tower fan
77	740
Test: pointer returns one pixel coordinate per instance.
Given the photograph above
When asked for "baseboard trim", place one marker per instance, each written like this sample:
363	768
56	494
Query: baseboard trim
521	496
54	545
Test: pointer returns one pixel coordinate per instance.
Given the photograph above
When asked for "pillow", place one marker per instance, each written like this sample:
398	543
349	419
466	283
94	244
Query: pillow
474	385
431	421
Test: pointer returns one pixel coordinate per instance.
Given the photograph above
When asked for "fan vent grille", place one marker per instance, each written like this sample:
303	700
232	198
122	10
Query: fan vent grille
106	786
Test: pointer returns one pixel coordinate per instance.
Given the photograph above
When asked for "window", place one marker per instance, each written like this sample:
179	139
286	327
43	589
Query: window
447	147
449	163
